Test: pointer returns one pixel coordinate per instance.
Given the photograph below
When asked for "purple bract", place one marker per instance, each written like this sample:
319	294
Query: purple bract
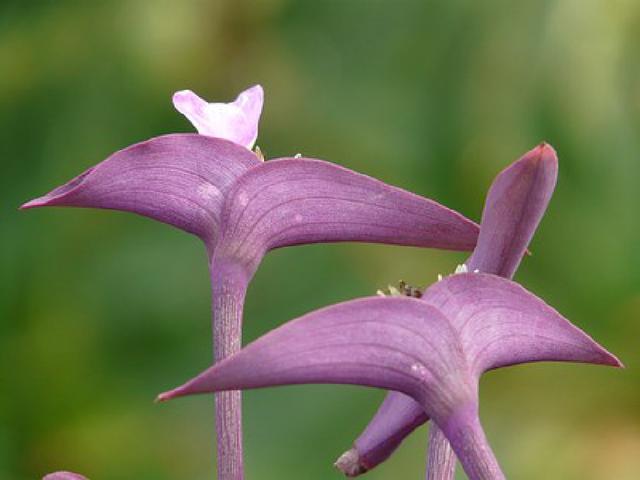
513	209
214	187
430	351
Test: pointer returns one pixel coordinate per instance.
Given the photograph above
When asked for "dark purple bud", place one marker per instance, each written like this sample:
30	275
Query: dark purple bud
512	211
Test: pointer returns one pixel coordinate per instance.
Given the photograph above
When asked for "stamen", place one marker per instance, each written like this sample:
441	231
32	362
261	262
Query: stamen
461	269
402	290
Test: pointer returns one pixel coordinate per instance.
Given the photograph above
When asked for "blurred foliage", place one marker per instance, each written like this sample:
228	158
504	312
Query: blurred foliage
99	311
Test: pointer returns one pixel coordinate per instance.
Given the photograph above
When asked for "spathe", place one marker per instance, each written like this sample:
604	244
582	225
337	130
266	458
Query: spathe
213	186
241	207
433	350
515	204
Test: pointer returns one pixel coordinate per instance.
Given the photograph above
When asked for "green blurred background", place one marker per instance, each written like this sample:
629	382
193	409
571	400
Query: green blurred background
102	310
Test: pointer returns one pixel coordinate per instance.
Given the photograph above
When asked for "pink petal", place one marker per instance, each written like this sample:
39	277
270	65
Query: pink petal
236	121
63	476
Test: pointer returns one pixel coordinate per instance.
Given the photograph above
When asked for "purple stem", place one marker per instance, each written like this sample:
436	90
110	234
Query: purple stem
228	286
441	461
468	440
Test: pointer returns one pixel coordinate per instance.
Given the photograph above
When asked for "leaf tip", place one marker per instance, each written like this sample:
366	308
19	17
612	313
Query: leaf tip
613	361
58	196
349	463
542	157
36	202
544	153
601	356
168	395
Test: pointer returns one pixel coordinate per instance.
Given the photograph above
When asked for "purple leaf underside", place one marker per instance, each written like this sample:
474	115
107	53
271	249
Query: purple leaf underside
433	350
242	207
515	204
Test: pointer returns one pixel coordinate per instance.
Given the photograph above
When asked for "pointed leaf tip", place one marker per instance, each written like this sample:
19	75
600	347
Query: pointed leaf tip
168	395
349	463
398	416
546	146
57	195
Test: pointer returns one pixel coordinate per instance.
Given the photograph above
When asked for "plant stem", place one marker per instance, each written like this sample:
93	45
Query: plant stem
228	286
441	460
470	445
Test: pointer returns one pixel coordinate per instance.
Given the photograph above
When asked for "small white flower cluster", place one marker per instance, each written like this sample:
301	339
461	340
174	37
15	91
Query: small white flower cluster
459	269
404	290
393	292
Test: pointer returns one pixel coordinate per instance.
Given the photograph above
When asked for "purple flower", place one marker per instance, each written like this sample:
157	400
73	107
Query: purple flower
513	209
236	121
431	351
214	187
63	476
